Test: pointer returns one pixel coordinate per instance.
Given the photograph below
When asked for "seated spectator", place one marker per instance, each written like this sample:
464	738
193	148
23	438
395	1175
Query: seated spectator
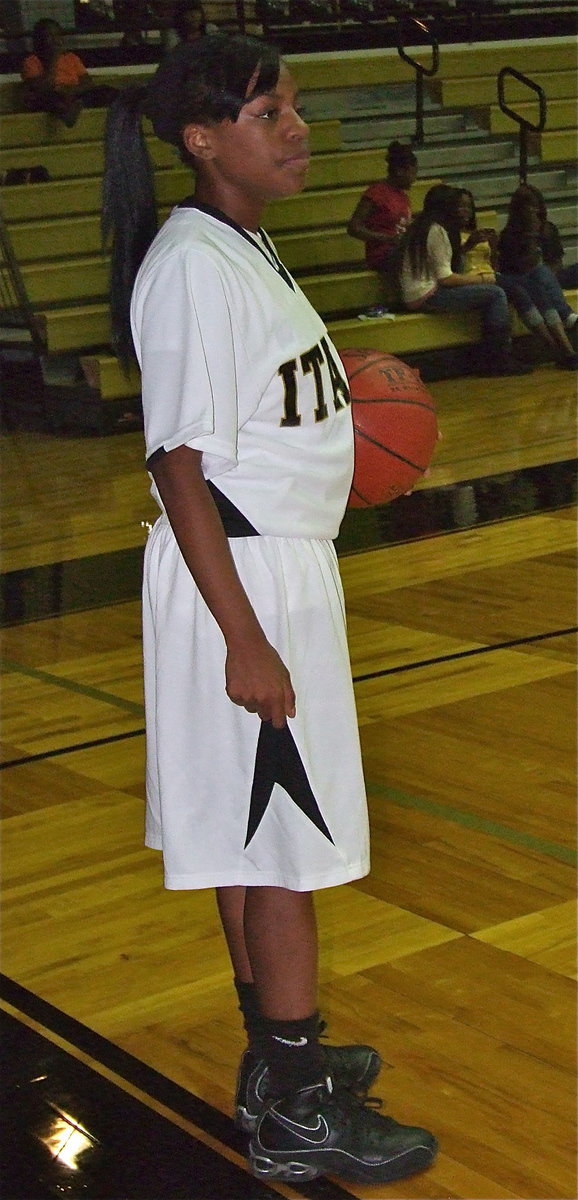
188	23
521	254
526	294
432	280
57	81
383	213
550	240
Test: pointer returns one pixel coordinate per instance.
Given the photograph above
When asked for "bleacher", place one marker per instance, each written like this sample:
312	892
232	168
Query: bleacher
357	102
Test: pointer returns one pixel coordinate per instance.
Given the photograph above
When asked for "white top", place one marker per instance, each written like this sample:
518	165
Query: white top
236	363
416	288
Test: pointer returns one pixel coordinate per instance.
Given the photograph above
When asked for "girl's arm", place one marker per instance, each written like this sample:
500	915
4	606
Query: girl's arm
255	676
440	260
357	227
469	277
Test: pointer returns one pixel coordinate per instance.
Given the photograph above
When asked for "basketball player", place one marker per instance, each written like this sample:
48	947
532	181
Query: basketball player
254	780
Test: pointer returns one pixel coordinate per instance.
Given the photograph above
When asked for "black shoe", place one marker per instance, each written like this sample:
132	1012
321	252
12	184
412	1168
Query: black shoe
505	364
568	363
322	1130
352	1067
572	334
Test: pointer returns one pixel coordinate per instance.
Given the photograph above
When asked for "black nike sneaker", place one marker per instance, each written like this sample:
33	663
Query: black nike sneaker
324	1130
351	1067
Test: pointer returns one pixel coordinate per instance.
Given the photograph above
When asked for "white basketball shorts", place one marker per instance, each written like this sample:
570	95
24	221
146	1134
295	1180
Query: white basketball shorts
230	800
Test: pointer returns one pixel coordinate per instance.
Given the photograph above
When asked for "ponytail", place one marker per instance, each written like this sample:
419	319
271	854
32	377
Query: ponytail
129	213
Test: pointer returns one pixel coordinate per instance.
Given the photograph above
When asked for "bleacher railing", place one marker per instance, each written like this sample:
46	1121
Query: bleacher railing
16	313
405	26
525	125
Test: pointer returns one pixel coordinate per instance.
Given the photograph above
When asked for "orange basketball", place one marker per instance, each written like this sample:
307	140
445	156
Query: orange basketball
395	426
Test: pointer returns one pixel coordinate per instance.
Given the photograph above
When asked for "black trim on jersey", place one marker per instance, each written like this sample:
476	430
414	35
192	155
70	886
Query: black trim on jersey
234	522
219	215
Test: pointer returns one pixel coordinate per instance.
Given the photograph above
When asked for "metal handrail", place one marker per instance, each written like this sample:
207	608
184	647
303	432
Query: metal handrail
522	121
15	307
420	71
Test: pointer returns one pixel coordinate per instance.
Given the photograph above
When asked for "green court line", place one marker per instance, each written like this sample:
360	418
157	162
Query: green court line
81	689
469	820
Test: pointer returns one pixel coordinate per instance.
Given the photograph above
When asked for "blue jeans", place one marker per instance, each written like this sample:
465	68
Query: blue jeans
568	276
527	307
486	298
544	288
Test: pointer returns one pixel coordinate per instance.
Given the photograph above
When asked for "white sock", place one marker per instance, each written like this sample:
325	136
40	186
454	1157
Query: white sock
570	321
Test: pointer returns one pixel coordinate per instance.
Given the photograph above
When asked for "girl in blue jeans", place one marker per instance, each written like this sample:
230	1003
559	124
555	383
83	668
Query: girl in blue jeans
432	280
536	296
521	247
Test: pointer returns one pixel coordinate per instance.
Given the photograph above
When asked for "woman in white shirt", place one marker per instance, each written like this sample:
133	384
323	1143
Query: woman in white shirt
431	280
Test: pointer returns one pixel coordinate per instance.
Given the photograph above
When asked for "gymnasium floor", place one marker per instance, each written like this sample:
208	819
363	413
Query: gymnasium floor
455	956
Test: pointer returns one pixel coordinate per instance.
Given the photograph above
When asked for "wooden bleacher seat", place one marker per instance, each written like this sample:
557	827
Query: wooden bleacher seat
83	154
558	145
366	67
561	114
456	93
408	333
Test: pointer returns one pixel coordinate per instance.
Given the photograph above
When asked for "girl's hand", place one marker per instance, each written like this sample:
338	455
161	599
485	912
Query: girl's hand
257	679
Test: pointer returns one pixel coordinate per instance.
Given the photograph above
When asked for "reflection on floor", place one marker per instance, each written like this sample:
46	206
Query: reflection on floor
69	1131
101	579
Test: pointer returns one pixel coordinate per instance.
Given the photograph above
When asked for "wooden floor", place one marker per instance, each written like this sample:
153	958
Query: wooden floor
456	956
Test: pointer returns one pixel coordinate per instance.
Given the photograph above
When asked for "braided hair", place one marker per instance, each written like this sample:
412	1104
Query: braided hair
439	207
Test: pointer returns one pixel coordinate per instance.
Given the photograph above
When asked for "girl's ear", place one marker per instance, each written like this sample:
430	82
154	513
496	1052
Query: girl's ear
197	140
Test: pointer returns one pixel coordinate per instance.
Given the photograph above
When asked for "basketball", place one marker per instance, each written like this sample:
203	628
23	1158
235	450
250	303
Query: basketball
395	425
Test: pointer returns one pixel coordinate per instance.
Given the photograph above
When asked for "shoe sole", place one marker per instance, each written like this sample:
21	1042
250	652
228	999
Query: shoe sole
295	1169
247	1122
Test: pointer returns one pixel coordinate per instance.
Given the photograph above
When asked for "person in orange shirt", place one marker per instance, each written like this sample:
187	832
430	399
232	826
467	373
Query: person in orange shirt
56	80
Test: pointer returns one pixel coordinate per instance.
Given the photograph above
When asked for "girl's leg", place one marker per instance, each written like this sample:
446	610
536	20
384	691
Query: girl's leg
491	302
530	310
272	939
486	298
281	939
543	278
231	905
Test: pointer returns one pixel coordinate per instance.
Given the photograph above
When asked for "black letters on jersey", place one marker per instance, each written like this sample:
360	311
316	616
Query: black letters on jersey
311	361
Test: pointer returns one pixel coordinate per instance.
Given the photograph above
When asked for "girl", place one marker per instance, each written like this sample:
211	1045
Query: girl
432	280
526	293
521	248
254	781
384	213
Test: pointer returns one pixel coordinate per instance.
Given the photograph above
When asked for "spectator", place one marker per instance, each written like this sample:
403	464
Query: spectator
521	253
383	213
57	81
432	279
550	240
525	293
188	23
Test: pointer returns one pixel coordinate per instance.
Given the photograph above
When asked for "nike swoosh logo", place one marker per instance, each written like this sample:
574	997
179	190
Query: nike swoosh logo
302	1041
317	1134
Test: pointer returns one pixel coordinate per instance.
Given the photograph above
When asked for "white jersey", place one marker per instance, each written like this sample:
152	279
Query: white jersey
246	372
